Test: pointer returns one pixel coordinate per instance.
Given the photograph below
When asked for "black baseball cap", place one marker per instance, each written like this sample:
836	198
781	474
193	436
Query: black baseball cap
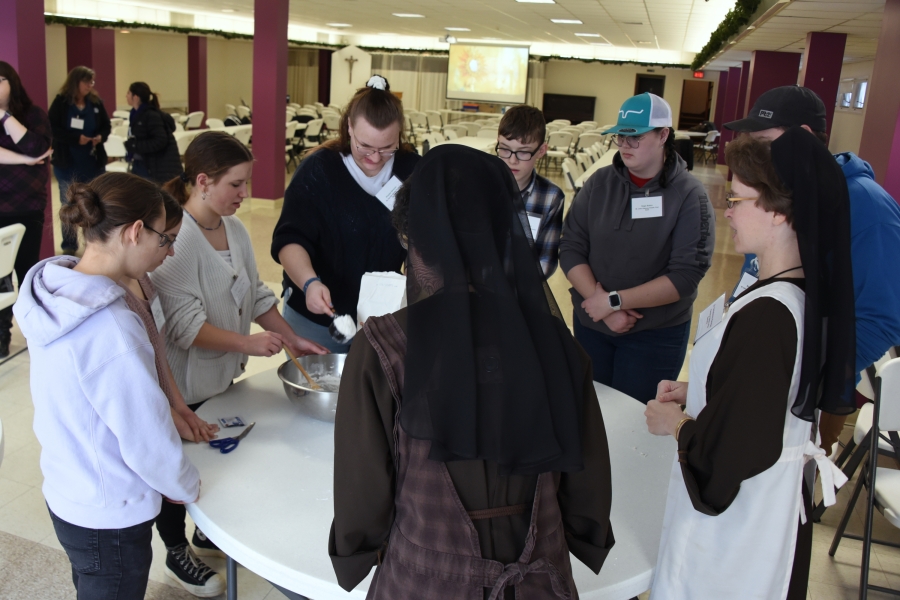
787	106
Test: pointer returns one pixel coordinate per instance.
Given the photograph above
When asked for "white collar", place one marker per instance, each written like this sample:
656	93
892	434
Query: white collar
371	185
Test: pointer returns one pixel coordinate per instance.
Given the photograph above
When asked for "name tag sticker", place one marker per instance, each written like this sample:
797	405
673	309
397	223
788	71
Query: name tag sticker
240	287
77	123
534	221
389	192
710	317
159	317
646	207
746	281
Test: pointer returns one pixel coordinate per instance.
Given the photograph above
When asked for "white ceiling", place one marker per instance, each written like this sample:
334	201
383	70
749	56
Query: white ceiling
668	31
786	30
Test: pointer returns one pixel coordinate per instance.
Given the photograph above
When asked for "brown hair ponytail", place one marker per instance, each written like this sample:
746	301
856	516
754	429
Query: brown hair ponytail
378	106
213	153
111	200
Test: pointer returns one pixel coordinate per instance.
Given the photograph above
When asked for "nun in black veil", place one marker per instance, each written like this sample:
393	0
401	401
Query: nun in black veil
470	452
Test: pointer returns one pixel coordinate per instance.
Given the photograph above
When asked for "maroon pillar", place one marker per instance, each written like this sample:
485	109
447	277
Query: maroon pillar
822	65
742	107
720	99
730	112
325	76
23	45
197	75
96	49
878	137
892	176
270	51
769	70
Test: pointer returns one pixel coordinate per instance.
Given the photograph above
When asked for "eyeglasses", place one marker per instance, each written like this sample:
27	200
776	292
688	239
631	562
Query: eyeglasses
730	200
632	141
164	239
381	153
523	155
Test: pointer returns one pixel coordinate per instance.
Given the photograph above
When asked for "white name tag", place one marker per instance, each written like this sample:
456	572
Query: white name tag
240	287
746	281
710	317
77	123
389	191
646	207
534	221
159	317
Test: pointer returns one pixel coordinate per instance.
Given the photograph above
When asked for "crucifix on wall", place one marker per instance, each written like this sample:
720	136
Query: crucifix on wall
350	61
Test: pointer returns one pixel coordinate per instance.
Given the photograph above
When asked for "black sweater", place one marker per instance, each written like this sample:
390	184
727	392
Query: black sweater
346	231
152	140
64	136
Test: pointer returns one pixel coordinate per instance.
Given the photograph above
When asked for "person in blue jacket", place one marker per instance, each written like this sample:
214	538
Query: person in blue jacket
874	230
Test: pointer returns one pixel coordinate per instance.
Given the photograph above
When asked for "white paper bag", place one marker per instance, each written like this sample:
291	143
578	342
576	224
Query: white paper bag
380	294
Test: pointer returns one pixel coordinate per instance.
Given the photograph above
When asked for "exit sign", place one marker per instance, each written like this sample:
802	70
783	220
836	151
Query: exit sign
698	74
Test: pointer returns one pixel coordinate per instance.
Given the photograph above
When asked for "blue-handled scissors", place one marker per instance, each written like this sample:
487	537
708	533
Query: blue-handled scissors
226	445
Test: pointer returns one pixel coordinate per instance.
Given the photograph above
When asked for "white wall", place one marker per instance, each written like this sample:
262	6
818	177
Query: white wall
613	84
847	126
157	58
342	88
229	74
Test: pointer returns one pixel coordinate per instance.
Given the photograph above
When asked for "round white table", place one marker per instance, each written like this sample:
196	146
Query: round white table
268	504
478	143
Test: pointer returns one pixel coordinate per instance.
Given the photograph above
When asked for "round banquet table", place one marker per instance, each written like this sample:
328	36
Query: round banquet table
268	504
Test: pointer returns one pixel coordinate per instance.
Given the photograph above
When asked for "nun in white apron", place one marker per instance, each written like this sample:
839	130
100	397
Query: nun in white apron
735	524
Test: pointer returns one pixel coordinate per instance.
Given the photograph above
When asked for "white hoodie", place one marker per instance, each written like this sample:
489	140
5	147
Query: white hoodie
108	444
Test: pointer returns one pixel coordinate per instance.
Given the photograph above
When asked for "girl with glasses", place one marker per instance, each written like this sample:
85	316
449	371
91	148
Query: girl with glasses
335	223
109	449
636	243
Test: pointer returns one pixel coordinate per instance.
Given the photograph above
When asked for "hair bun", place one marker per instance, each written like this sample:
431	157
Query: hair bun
85	209
379	83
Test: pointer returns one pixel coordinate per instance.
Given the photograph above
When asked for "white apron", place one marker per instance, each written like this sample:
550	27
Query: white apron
746	552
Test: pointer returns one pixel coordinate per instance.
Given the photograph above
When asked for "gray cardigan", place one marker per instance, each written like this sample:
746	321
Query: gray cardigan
624	252
194	287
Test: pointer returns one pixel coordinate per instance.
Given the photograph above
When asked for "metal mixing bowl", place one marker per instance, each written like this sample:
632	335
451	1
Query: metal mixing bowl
316	404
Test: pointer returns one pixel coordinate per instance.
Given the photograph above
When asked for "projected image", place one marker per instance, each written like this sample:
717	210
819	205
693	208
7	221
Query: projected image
487	73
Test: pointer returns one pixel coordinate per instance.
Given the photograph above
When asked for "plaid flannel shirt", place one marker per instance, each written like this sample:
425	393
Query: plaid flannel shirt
543	197
24	188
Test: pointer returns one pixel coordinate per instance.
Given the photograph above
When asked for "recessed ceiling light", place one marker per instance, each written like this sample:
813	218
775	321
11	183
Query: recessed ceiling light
408	15
457	29
537	1
567	21
339	24
588	34
640	42
600	44
631	23
124	31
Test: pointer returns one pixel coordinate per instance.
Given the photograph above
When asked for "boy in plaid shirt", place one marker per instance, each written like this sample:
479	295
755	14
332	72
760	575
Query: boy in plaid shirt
520	144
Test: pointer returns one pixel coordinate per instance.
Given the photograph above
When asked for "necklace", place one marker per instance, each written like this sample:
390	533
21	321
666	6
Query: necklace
201	226
783	272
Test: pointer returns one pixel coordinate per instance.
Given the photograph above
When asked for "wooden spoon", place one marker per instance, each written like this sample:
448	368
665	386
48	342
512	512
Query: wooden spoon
312	383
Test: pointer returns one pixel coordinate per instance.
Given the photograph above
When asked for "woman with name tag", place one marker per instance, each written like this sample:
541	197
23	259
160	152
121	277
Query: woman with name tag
635	245
736	516
335	224
80	126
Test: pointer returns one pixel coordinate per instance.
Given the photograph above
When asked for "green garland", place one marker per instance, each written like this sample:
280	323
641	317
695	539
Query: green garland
736	18
613	62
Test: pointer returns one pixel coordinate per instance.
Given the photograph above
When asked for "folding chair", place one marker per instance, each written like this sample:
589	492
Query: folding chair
10	240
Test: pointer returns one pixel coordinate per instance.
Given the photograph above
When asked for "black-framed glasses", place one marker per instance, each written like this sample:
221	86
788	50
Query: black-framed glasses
164	239
730	200
632	141
523	155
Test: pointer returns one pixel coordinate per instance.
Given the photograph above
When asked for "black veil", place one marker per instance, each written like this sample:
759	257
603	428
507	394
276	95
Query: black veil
822	221
492	372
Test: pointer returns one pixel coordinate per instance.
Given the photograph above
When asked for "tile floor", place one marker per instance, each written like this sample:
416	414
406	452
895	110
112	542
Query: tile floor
34	567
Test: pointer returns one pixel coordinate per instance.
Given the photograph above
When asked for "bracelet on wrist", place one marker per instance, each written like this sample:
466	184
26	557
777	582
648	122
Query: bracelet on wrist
309	282
680	425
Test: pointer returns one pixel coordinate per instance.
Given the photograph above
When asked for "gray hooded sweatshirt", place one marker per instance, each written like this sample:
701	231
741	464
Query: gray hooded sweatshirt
624	252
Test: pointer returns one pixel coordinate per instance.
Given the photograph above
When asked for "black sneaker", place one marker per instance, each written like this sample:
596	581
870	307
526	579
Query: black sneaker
203	546
191	573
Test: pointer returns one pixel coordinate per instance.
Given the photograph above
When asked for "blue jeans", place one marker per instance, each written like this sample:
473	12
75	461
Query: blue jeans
635	363
107	564
64	178
311	331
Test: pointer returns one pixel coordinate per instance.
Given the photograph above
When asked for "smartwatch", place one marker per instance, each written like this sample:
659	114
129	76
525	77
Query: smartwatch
615	301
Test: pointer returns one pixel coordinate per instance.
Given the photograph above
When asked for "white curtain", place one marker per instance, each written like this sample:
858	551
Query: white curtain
535	94
303	75
421	79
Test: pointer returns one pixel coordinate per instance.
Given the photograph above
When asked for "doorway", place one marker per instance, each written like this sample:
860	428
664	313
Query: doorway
655	84
696	100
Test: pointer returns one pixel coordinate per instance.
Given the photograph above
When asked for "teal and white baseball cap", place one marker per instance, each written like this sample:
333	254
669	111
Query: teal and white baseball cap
642	113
